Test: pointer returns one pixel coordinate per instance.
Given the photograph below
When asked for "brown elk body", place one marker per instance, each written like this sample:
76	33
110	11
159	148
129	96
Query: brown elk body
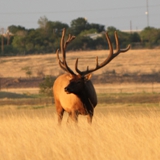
75	93
74	103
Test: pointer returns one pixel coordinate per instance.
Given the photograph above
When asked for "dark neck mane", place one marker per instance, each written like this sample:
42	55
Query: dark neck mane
83	95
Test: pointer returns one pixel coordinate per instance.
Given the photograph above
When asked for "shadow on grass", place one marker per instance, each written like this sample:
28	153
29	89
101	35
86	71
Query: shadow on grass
9	98
127	98
32	107
13	95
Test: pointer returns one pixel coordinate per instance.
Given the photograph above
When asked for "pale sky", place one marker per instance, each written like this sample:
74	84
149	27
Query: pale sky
121	14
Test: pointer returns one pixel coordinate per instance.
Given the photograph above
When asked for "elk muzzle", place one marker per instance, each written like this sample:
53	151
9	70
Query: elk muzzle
67	90
74	87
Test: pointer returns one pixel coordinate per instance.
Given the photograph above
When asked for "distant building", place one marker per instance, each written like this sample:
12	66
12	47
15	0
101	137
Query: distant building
8	33
132	31
94	35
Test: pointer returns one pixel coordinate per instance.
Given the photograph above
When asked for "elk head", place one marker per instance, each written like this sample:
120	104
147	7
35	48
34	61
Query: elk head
83	76
77	83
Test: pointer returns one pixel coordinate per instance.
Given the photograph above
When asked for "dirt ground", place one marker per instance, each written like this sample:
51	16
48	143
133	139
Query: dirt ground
97	79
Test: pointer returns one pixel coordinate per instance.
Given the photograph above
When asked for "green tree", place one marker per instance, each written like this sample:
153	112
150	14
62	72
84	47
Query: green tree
14	29
134	37
55	28
111	30
54	31
78	25
42	22
150	36
123	37
87	32
9	50
46	38
19	44
99	28
34	41
46	86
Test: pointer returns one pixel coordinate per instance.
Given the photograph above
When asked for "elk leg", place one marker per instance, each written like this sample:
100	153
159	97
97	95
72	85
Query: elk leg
69	117
73	116
89	117
60	116
60	111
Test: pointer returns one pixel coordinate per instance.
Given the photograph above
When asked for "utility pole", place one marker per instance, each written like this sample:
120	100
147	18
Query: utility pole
131	27
147	13
0	83
2	40
8	37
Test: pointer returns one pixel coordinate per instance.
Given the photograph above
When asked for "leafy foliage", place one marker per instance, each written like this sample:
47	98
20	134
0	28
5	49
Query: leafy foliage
150	36
28	71
46	85
46	38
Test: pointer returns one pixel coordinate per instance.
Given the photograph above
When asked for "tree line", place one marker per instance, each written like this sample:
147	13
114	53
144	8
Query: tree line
89	36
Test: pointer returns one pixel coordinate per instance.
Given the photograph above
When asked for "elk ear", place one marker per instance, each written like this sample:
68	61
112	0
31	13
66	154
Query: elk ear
88	77
70	76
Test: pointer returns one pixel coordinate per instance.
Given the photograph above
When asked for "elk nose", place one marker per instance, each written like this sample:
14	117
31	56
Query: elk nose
65	89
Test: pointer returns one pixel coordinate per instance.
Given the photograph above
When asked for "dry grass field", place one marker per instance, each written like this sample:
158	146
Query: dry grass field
134	61
27	134
126	126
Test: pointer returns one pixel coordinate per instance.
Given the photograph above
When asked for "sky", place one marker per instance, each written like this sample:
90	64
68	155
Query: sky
122	14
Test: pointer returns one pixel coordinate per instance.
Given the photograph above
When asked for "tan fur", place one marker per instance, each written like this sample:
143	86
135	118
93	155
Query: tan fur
70	102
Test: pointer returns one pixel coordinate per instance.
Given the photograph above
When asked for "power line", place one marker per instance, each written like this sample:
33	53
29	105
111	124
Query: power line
102	17
87	10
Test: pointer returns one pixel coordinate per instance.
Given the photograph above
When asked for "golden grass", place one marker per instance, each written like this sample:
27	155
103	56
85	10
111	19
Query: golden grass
134	61
117	132
34	135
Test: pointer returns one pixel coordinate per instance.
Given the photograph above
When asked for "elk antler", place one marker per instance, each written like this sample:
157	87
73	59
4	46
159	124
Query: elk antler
63	63
107	60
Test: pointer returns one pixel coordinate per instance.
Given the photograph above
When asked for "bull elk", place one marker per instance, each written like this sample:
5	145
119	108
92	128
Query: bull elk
75	93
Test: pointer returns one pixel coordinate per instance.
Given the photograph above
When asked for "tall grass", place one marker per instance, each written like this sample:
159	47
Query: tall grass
34	135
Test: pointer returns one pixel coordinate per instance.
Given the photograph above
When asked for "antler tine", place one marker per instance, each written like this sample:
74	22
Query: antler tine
97	65
108	59
60	62
70	38
63	63
118	50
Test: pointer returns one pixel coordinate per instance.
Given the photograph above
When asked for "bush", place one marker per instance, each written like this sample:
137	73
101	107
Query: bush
46	86
28	71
